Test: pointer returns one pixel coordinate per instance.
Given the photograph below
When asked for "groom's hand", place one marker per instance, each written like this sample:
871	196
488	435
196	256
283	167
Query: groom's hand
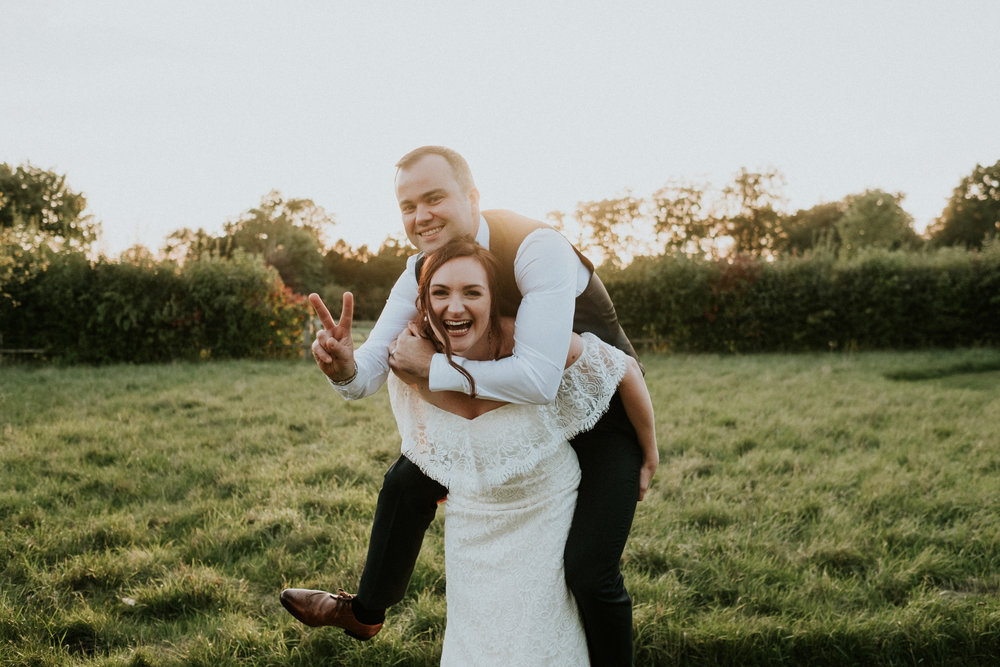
333	348
410	357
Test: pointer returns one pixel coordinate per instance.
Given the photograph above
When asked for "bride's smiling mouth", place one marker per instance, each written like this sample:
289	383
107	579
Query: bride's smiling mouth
457	327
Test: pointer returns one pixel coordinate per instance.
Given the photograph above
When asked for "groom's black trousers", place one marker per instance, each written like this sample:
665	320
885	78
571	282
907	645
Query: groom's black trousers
610	459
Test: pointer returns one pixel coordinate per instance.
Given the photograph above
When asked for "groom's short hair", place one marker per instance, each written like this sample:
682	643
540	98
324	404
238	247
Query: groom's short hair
458	165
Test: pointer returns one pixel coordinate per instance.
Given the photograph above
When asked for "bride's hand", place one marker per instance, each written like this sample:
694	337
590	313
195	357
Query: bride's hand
646	472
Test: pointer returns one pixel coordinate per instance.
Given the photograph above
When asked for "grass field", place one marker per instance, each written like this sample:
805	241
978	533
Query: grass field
809	510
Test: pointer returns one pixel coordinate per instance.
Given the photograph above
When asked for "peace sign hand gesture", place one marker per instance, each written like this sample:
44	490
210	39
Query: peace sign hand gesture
333	348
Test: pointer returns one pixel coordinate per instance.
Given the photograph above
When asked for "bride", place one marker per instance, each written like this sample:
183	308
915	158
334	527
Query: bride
510	471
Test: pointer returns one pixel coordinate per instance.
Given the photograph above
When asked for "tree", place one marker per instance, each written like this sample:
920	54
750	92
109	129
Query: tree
876	219
973	212
288	234
813	227
741	217
751	219
370	276
138	255
680	217
188	244
607	225
39	208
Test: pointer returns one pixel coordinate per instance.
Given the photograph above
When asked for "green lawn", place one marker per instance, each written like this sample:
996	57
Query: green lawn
811	509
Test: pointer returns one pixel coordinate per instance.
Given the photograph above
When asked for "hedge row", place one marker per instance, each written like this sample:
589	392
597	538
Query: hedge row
98	312
879	300
103	311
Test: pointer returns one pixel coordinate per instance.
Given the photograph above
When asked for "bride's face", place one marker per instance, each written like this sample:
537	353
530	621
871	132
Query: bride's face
460	297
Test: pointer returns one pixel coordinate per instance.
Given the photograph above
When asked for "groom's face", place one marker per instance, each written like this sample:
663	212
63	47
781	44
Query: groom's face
434	206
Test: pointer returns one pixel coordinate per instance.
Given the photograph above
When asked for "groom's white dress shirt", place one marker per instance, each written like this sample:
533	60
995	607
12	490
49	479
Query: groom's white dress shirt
549	275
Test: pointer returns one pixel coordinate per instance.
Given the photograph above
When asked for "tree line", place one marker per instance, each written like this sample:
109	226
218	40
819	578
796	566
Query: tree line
745	217
742	217
289	234
724	236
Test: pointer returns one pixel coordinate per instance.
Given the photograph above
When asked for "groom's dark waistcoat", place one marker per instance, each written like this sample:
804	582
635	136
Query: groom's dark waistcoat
594	311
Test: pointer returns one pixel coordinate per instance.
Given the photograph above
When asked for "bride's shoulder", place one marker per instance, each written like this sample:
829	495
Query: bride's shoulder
575	349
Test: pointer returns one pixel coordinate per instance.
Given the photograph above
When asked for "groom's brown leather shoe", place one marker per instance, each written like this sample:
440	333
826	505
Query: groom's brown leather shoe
318	608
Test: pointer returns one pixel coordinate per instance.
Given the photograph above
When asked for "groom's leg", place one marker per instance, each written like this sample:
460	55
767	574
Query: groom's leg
610	459
406	506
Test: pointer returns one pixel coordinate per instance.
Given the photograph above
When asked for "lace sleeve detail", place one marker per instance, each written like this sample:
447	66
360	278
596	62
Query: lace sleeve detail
587	387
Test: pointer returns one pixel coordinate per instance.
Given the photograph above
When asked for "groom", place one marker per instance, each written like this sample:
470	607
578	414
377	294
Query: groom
553	290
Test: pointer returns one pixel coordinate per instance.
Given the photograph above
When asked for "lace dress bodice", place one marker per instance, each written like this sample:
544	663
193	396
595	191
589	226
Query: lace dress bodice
482	453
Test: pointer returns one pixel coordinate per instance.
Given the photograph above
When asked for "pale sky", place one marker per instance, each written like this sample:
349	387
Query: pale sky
184	114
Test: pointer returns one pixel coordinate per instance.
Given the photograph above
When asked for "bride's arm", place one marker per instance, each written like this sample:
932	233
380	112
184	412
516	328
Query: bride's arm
575	349
639	408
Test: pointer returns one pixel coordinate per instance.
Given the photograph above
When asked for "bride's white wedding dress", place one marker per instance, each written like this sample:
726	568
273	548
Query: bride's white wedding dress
512	478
